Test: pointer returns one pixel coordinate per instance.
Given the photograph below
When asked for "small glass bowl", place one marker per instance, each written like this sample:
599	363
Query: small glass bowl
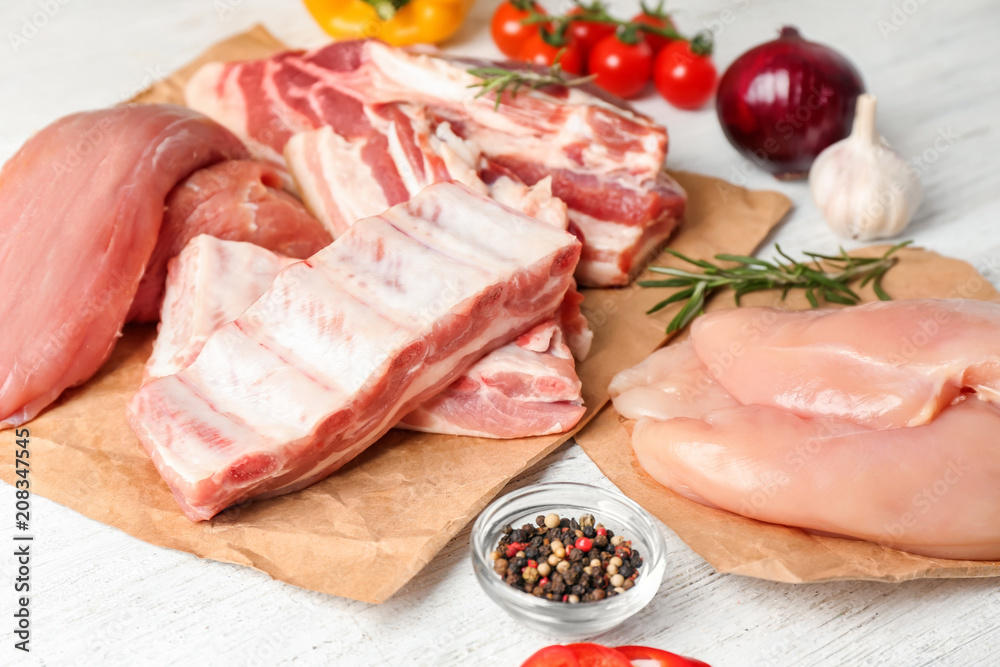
569	500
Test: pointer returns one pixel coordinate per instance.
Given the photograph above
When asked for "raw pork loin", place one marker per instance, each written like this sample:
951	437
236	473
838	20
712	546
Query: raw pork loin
931	489
347	342
606	161
86	194
240	200
528	387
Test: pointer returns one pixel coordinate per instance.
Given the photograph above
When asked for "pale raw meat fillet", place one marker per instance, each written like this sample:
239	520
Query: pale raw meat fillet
525	388
528	387
605	161
345	343
932	490
209	284
882	364
238	200
80	207
671	382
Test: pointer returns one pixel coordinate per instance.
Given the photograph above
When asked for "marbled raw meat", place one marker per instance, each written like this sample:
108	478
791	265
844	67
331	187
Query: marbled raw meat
238	200
605	160
208	285
80	208
347	342
525	388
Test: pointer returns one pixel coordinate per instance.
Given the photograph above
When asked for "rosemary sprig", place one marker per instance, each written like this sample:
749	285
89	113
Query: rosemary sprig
823	277
500	80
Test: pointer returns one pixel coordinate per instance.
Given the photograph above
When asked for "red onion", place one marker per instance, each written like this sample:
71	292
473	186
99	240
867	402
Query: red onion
783	102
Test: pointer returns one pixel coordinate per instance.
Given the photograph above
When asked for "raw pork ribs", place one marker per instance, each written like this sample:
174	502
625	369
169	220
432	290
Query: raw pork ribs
347	342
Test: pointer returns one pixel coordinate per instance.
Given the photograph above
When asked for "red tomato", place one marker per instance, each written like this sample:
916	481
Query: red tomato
684	79
539	52
656	42
588	33
663	657
595	655
509	34
552	656
622	69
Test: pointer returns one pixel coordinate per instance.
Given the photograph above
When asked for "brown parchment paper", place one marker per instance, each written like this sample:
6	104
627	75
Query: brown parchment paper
398	503
733	543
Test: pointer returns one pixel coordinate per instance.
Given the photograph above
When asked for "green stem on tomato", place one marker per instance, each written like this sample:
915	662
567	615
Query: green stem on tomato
601	16
702	44
659	12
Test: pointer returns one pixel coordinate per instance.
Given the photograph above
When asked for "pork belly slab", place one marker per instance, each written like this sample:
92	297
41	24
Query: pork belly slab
339	186
81	205
605	161
344	344
239	200
525	388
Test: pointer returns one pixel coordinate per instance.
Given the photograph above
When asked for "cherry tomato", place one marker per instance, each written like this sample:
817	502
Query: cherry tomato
509	34
664	658
622	69
539	52
552	656
595	655
656	42
684	79
588	33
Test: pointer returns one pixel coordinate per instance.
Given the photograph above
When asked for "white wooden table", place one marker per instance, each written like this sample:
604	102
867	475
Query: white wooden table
103	597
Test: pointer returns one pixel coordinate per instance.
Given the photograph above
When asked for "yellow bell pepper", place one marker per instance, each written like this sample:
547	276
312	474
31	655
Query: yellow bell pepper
398	22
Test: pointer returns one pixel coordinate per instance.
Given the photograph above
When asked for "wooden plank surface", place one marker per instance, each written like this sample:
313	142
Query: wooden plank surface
102	597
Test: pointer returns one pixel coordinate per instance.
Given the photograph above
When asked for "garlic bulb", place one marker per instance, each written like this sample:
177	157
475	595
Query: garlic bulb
864	189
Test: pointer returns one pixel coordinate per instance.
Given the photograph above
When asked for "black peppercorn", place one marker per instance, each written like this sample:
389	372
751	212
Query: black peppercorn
588	531
601	541
506	529
531	552
564	523
636	560
625	571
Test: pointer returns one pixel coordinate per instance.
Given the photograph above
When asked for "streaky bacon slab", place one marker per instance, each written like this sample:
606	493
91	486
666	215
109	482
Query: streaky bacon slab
605	160
345	343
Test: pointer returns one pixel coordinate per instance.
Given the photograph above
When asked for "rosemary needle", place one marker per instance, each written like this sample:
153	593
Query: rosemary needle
823	277
500	80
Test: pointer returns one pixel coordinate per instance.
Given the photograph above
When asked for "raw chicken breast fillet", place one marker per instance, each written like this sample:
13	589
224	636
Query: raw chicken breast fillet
881	364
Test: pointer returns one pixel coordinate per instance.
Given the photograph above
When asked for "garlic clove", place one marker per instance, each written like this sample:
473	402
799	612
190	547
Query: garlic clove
864	189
